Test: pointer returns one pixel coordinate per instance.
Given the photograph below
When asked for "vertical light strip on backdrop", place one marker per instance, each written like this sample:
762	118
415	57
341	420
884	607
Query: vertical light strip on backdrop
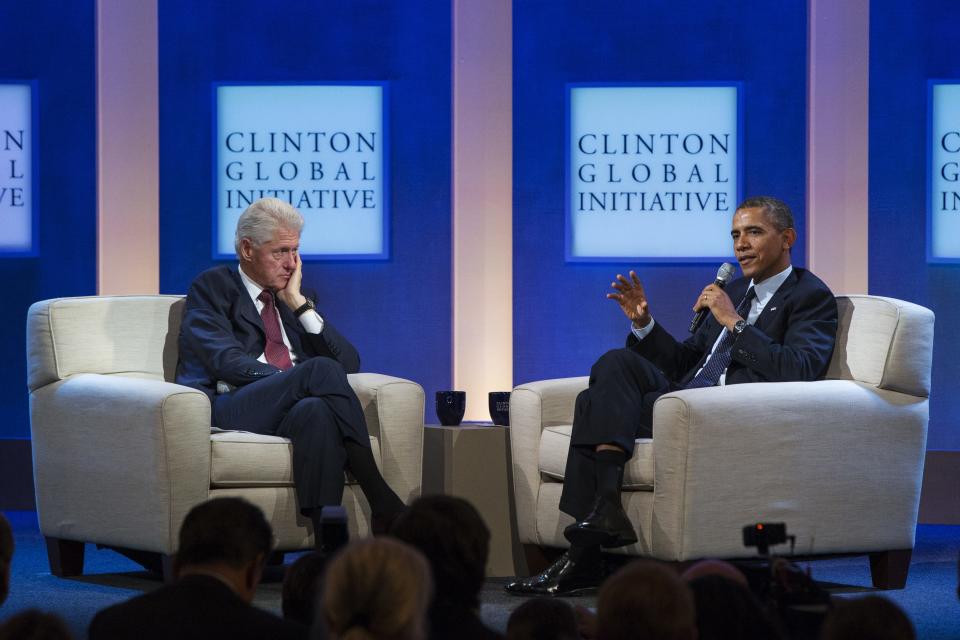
837	136
128	148
482	201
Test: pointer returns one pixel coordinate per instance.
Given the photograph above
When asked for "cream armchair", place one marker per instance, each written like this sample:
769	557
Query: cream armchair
121	453
839	460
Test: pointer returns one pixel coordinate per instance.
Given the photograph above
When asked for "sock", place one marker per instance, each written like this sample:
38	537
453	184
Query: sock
317	529
610	465
361	464
587	558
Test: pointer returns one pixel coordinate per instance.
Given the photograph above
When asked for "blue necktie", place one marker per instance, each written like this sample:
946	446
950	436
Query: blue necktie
720	359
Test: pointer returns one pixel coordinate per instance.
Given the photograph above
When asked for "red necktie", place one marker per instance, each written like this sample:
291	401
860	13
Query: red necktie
276	352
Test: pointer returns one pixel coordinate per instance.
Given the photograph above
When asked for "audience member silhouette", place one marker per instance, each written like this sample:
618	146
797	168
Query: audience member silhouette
715	567
376	589
34	625
6	557
867	618
726	610
455	540
224	543
301	588
543	619
645	600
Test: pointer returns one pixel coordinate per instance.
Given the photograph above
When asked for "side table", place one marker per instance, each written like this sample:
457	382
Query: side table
472	462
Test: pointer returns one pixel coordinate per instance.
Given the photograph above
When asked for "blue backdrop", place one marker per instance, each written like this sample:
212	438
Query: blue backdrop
562	321
52	43
397	312
908	45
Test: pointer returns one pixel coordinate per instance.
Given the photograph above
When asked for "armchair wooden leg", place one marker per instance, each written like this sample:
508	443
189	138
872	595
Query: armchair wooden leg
65	557
889	568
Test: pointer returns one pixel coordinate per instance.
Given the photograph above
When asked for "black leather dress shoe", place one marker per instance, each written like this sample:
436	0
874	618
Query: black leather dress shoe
563	578
607	525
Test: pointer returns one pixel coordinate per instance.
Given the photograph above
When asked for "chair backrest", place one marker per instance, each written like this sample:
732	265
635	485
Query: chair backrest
134	335
884	342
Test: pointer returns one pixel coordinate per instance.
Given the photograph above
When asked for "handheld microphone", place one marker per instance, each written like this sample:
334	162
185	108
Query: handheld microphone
724	275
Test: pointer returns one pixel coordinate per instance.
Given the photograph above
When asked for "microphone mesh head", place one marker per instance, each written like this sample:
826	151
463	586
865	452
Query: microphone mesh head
725	272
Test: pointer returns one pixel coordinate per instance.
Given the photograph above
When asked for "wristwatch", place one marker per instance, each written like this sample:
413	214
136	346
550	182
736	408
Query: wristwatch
306	306
738	327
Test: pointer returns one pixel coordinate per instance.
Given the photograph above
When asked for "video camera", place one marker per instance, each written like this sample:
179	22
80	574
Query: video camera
786	588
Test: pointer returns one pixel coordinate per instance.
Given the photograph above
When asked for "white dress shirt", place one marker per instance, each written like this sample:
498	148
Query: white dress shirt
764	291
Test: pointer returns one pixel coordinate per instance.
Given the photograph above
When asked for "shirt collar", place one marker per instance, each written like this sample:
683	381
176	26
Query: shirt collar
768	287
252	287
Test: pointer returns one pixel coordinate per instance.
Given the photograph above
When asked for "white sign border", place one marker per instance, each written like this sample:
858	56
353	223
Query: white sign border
931	258
385	168
568	177
34	249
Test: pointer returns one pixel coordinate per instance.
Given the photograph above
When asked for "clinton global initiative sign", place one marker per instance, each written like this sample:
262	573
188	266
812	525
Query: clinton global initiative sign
653	172
18	226
320	147
943	200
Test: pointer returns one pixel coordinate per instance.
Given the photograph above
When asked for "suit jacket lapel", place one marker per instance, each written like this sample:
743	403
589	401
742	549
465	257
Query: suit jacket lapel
775	305
248	310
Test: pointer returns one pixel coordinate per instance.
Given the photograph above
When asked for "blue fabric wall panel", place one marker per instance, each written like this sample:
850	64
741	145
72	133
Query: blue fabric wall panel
562	322
397	311
54	44
909	44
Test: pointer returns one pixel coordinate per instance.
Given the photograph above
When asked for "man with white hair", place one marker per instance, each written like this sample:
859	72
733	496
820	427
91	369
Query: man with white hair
272	364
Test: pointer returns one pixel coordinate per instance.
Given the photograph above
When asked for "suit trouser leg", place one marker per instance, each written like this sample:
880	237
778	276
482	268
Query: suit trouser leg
314	406
616	408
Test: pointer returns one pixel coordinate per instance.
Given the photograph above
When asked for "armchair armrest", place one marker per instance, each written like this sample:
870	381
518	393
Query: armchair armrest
534	406
393	408
840	462
119	460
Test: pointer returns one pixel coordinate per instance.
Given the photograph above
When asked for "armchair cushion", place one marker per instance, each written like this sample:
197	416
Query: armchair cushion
244	459
555	443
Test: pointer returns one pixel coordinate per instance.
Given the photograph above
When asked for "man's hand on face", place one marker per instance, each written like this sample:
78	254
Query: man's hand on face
720	305
632	299
290	295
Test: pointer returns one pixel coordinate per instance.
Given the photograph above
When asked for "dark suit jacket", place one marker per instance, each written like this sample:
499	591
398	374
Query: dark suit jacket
222	335
791	340
198	607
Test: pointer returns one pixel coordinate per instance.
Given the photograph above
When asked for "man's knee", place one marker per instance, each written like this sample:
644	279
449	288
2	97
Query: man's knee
614	360
320	370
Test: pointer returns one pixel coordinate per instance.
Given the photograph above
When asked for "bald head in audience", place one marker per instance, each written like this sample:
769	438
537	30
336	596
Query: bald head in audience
867	618
645	600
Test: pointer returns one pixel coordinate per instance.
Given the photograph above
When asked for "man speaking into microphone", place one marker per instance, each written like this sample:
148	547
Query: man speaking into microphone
777	323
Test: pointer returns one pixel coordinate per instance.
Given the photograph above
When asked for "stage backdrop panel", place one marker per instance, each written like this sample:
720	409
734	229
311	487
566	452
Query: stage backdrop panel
562	321
50	46
943	199
650	162
909	46
18	153
395	307
319	147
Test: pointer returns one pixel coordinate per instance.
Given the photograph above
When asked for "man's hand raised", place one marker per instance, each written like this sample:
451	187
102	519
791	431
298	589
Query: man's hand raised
290	294
632	299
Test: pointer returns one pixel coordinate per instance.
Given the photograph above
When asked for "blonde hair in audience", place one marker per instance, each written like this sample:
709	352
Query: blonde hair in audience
377	589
